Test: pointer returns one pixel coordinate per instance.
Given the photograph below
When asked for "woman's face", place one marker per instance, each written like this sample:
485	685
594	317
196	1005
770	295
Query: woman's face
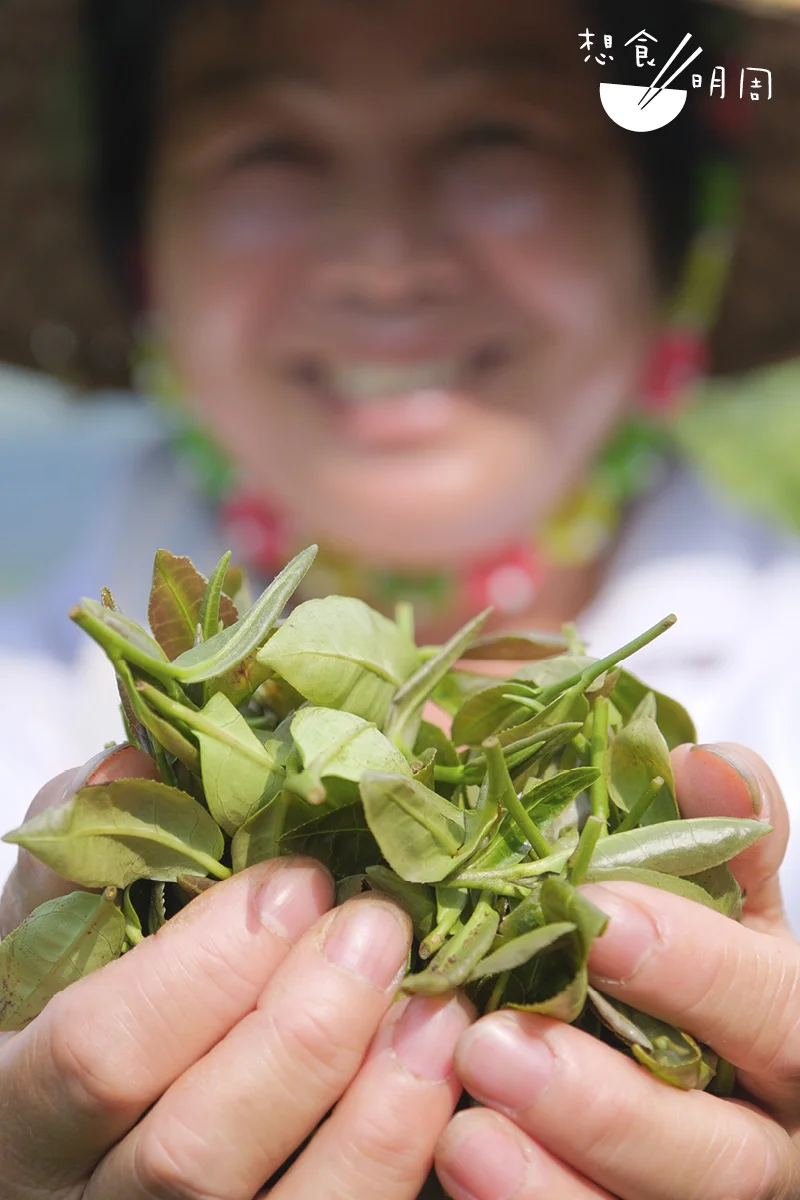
401	261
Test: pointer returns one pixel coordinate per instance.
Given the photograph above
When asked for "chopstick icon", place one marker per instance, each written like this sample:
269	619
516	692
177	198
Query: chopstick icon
653	90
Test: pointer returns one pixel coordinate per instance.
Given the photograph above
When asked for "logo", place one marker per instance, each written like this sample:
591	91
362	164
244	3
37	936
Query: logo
644	108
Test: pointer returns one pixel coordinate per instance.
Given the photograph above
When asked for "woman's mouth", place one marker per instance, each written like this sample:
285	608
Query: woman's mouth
384	405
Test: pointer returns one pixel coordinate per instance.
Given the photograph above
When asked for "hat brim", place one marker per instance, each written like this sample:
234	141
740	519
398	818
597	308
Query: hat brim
59	312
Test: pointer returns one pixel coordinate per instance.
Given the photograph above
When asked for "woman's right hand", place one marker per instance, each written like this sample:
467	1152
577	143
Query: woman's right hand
194	1066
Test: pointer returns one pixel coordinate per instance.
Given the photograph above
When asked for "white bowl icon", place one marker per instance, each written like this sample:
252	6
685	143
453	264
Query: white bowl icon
621	102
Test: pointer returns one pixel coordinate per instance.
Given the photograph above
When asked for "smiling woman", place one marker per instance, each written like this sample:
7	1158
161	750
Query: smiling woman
389	240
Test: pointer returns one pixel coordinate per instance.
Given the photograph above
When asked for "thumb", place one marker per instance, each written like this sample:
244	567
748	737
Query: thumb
31	883
728	780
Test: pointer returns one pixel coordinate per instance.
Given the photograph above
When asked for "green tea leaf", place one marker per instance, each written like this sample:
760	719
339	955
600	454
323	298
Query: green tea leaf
487	713
226	651
520	950
341	840
157	911
671	717
418	900
725	901
423	836
423	769
170	736
720	884
115	833
336	748
458	958
546	799
59	943
259	838
671	1055
457	687
215	605
176	601
562	902
236	768
133	922
431	737
566	709
339	653
526	915
677	847
636	756
405	713
121	637
516	647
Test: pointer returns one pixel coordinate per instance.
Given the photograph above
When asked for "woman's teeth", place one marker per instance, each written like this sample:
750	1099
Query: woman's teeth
370	382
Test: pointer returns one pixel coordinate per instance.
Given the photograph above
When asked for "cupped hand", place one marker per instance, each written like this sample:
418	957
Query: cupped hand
567	1117
196	1065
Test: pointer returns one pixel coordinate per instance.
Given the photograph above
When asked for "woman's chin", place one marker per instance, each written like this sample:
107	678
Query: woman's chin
442	511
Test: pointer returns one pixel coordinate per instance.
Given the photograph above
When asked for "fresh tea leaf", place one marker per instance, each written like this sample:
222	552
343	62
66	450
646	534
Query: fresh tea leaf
459	957
636	756
341	840
405	713
418	900
339	653
236	768
115	833
423	836
520	950
59	943
671	1055
725	900
677	847
216	606
176	601
672	718
226	651
336	748
488	712
516	647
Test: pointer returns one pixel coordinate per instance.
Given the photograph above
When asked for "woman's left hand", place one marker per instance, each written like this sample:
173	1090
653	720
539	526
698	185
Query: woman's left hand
567	1117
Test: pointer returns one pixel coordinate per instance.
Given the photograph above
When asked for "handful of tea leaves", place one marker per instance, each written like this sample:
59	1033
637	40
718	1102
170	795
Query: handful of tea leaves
307	736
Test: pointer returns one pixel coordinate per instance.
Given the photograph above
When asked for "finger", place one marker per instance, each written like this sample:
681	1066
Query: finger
237	1115
727	780
615	1123
484	1156
103	1051
381	1137
730	987
31	883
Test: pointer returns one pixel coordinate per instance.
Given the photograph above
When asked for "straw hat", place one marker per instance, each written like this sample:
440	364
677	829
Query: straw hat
58	312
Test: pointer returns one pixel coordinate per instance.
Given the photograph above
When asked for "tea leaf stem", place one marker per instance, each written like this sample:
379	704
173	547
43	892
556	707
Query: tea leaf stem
599	749
634	817
500	780
583	855
496	998
581	680
197	720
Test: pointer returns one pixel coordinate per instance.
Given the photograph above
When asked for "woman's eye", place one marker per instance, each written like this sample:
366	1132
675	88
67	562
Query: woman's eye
492	134
272	152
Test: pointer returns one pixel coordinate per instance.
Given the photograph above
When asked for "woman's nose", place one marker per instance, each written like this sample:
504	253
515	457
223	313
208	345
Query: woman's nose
388	252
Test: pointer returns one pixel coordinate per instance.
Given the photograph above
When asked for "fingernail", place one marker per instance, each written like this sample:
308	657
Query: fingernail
485	1163
504	1061
425	1036
630	937
370	938
742	768
82	776
293	897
